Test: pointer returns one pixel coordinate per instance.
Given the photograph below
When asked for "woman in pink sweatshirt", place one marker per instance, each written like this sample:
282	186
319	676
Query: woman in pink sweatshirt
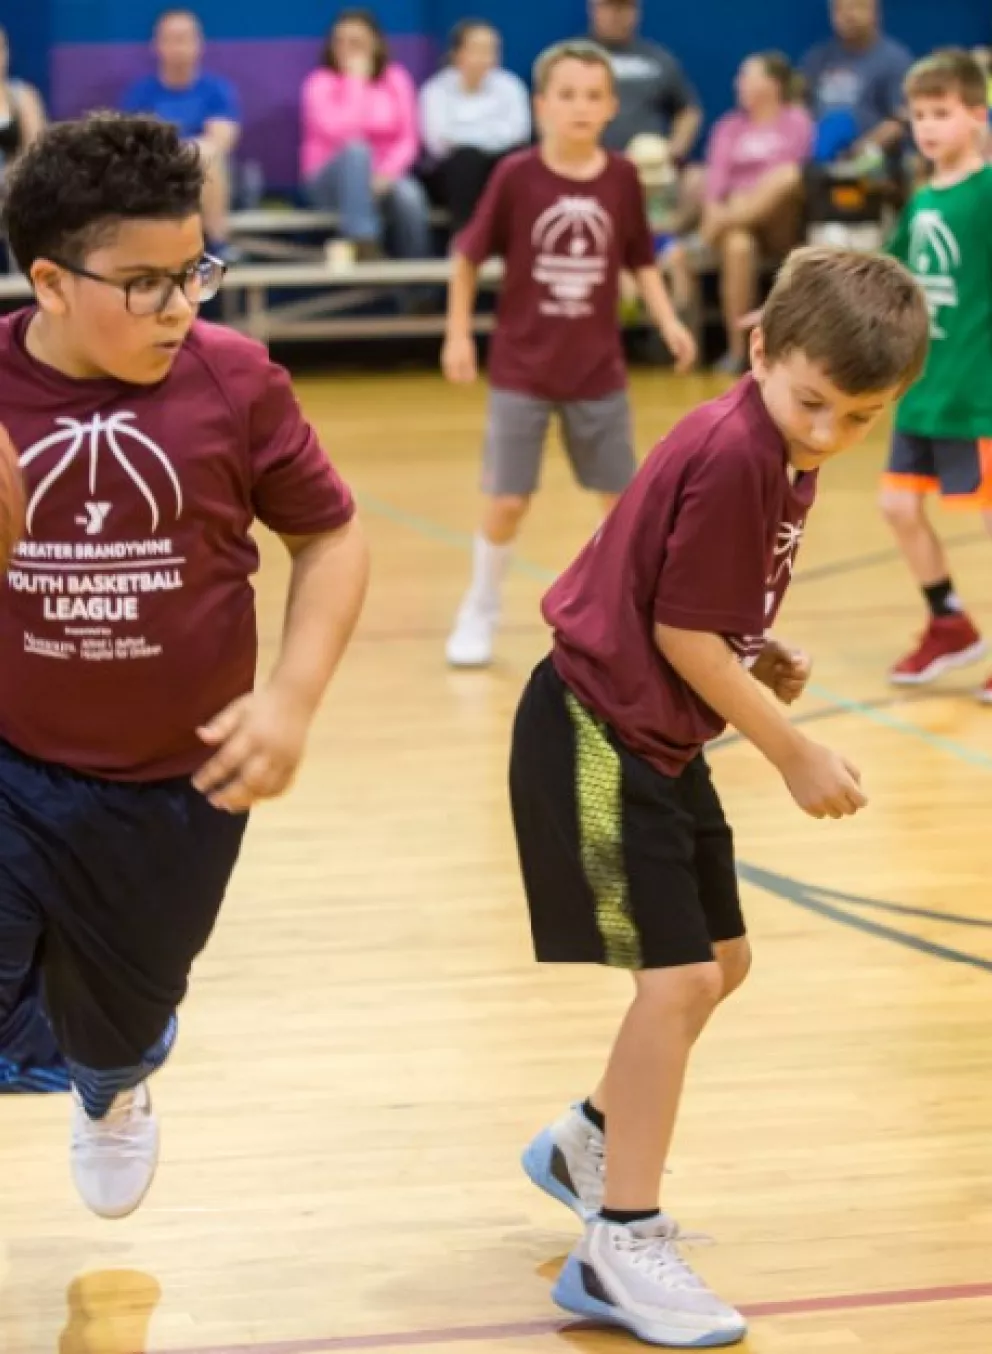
359	141
754	185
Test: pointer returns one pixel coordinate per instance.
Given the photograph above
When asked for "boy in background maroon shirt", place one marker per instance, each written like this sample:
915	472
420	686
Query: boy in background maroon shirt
567	218
133	738
660	640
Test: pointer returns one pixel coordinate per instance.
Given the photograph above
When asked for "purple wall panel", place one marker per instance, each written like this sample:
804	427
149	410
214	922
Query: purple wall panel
268	75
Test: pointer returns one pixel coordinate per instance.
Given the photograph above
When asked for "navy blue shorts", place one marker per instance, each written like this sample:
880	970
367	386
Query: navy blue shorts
960	468
110	890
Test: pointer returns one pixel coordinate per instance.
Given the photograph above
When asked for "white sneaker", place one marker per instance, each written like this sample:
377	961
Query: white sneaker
113	1159
568	1162
633	1277
470	644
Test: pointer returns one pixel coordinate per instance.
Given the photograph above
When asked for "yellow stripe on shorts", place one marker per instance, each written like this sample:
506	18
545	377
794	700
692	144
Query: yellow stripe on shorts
599	803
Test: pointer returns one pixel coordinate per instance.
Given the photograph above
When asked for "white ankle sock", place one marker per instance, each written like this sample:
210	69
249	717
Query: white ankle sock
489	565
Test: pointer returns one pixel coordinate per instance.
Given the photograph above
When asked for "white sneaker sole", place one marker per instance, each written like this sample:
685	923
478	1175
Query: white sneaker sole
457	660
681	1331
939	666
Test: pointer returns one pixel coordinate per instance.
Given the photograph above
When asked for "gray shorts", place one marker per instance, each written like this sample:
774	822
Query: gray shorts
597	436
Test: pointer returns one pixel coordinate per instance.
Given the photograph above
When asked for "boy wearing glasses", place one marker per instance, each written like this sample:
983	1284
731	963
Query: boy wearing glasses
133	739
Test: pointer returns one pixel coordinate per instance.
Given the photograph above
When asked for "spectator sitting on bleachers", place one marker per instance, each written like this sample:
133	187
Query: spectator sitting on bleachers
360	142
753	187
22	113
655	97
472	113
854	86
203	107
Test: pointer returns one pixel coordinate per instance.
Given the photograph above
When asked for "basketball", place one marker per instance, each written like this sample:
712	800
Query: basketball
13	499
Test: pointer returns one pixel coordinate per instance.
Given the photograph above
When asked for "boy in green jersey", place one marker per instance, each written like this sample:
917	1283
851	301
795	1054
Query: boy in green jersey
943	429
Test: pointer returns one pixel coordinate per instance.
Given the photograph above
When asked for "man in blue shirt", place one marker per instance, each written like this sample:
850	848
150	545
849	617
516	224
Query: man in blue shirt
204	107
855	85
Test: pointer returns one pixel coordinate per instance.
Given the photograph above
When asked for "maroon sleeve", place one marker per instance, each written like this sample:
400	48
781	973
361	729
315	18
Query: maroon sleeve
638	244
485	235
713	572
295	490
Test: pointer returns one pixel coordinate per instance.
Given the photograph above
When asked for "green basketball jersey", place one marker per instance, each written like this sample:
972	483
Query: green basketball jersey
945	238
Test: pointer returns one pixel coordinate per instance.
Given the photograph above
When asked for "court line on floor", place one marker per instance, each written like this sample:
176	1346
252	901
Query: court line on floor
436	531
508	1330
836	906
427	526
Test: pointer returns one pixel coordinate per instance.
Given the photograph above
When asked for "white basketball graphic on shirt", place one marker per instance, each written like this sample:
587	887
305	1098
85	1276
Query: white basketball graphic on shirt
95	439
572	240
932	242
934	254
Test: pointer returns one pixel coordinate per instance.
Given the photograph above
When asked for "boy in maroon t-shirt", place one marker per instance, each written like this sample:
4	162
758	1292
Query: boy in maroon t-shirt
567	218
133	739
660	640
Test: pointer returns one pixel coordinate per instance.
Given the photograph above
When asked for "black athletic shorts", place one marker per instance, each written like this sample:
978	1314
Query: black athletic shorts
108	892
622	865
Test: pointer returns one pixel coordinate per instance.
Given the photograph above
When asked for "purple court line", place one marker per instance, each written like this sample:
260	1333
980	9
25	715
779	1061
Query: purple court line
507	1330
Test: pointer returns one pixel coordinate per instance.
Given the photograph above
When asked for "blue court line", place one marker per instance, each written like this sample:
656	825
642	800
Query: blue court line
815	899
436	531
855	563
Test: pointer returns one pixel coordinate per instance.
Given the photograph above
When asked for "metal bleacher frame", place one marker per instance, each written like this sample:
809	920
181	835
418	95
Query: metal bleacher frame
257	298
294	293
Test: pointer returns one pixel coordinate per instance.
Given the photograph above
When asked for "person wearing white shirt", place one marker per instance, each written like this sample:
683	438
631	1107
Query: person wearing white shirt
471	114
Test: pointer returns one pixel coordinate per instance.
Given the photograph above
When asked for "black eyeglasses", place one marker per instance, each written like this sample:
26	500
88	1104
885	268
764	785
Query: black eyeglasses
151	294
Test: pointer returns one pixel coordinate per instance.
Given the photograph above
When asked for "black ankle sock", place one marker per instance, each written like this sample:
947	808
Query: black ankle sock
941	599
625	1216
596	1117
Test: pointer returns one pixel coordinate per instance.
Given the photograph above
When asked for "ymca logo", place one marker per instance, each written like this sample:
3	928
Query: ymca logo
571	241
91	442
94	517
934	255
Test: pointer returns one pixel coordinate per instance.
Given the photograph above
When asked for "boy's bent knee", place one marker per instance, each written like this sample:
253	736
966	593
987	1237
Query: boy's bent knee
734	958
690	991
901	507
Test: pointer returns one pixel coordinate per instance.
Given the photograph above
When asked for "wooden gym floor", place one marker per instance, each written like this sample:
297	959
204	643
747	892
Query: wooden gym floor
368	1044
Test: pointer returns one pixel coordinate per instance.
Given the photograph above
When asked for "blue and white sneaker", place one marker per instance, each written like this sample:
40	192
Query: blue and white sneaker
634	1277
568	1161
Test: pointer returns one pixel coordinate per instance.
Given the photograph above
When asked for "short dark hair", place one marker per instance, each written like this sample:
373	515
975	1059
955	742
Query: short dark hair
80	179
862	317
464	29
951	70
380	45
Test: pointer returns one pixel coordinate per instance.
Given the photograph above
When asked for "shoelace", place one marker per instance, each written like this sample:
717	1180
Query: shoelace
658	1258
113	1130
596	1147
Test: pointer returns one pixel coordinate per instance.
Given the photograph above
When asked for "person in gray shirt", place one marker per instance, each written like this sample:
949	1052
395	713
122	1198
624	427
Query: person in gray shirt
655	96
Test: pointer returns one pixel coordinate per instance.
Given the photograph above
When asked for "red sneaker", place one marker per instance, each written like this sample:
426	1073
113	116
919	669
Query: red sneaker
984	693
948	642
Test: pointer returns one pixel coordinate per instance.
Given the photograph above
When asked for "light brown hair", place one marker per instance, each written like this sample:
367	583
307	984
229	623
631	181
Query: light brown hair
779	68
861	317
578	49
949	71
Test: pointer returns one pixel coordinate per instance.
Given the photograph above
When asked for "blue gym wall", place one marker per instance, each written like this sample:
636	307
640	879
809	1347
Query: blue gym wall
80	51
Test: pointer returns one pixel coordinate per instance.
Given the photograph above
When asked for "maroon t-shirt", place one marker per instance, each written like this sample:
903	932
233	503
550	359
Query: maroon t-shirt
127	617
564	243
703	539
